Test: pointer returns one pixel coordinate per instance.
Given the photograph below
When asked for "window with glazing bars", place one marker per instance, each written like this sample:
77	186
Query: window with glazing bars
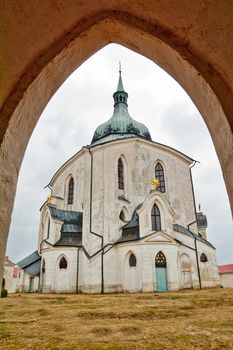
71	191
160	260
120	175
155	218
159	174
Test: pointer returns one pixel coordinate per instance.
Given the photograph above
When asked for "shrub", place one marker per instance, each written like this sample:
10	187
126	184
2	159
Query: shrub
4	293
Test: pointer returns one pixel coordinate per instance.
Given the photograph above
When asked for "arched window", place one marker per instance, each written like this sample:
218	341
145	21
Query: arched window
159	174
155	218
120	175
132	260
203	257
160	260
63	263
122	215
71	191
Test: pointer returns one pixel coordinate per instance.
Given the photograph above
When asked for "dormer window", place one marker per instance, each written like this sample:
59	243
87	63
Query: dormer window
155	218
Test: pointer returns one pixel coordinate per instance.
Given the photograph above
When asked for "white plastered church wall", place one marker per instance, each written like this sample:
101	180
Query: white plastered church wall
98	196
106	208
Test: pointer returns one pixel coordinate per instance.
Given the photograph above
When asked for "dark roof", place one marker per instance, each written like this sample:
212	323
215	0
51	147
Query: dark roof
189	233
33	269
201	220
31	264
70	239
71	230
67	216
30	259
133	223
182	229
129	236
130	231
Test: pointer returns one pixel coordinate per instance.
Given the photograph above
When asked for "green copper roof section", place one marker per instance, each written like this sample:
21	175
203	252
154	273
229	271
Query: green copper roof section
121	124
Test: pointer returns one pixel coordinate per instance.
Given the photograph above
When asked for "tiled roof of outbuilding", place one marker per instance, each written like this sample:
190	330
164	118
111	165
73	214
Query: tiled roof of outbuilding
31	264
30	259
33	269
225	268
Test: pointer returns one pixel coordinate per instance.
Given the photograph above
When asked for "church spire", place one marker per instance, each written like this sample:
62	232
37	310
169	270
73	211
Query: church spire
120	96
121	124
120	86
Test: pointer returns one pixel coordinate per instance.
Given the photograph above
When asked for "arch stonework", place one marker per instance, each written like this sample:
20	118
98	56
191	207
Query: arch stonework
44	42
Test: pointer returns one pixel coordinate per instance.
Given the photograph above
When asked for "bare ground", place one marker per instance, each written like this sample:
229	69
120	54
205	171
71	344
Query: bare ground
167	321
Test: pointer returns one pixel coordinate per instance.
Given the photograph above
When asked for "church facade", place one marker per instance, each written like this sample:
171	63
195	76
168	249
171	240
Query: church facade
121	216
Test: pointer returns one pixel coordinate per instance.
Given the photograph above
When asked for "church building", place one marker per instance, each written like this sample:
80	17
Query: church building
121	216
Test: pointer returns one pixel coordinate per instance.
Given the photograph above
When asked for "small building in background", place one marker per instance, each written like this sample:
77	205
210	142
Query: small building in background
29	277
226	275
11	275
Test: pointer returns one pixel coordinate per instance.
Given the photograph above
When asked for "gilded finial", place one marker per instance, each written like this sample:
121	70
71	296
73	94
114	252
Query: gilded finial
155	183
49	198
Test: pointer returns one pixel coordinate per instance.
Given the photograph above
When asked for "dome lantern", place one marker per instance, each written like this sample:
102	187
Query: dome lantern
121	124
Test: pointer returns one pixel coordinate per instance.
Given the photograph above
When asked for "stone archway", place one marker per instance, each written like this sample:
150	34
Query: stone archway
45	42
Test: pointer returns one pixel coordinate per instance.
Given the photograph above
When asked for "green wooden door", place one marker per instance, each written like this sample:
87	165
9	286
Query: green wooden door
31	284
161	279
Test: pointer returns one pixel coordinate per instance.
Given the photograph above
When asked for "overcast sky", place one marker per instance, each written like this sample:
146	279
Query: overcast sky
81	104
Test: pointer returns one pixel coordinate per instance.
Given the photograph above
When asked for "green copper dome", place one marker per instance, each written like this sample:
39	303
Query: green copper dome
121	124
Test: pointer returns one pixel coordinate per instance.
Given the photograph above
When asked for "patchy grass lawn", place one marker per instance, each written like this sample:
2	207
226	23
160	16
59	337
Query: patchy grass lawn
173	320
